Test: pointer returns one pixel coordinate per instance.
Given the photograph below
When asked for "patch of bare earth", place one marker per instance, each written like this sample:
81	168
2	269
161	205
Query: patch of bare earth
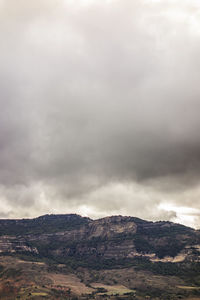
112	289
131	279
70	281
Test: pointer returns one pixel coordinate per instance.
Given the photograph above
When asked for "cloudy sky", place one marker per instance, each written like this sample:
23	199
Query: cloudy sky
100	108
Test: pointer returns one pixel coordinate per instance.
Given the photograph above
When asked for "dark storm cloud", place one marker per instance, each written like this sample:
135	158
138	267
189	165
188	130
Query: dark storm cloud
95	94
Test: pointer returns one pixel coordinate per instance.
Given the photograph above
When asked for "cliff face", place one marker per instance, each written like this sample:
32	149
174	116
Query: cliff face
71	236
11	244
111	226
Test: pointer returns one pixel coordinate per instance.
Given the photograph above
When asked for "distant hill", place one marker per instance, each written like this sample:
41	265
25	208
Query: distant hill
116	237
84	247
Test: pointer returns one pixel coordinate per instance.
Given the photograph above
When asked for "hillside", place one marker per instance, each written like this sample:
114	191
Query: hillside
105	256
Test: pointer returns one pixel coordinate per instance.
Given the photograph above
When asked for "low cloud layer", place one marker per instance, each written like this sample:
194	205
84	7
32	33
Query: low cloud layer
100	108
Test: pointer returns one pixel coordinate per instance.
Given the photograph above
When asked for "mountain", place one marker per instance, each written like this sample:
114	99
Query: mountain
124	256
61	237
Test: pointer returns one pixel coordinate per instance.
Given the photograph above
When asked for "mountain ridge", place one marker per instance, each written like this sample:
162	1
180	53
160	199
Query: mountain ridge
135	257
67	231
69	215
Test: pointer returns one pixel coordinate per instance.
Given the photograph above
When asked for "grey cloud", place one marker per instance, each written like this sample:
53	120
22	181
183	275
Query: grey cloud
97	94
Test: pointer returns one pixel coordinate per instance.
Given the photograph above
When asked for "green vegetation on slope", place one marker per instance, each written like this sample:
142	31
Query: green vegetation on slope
43	224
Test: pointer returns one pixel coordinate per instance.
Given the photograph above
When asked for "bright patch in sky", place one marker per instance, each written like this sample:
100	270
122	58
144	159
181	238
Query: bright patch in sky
184	215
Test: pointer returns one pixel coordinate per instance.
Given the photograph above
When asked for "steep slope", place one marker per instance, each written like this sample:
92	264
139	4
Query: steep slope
62	237
68	257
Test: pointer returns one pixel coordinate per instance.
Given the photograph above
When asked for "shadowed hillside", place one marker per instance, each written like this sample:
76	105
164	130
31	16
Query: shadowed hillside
121	256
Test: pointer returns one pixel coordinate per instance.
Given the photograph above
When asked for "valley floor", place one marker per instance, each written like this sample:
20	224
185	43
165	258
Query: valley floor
20	279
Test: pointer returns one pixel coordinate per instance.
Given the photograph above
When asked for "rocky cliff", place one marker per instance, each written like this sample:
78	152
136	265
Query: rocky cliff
64	237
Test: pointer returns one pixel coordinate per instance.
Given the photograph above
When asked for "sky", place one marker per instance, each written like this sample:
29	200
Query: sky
100	108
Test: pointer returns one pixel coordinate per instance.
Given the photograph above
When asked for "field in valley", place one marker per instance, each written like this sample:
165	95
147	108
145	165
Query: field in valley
22	279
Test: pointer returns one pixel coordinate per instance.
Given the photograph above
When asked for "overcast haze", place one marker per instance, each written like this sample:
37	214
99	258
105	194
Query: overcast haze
100	108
